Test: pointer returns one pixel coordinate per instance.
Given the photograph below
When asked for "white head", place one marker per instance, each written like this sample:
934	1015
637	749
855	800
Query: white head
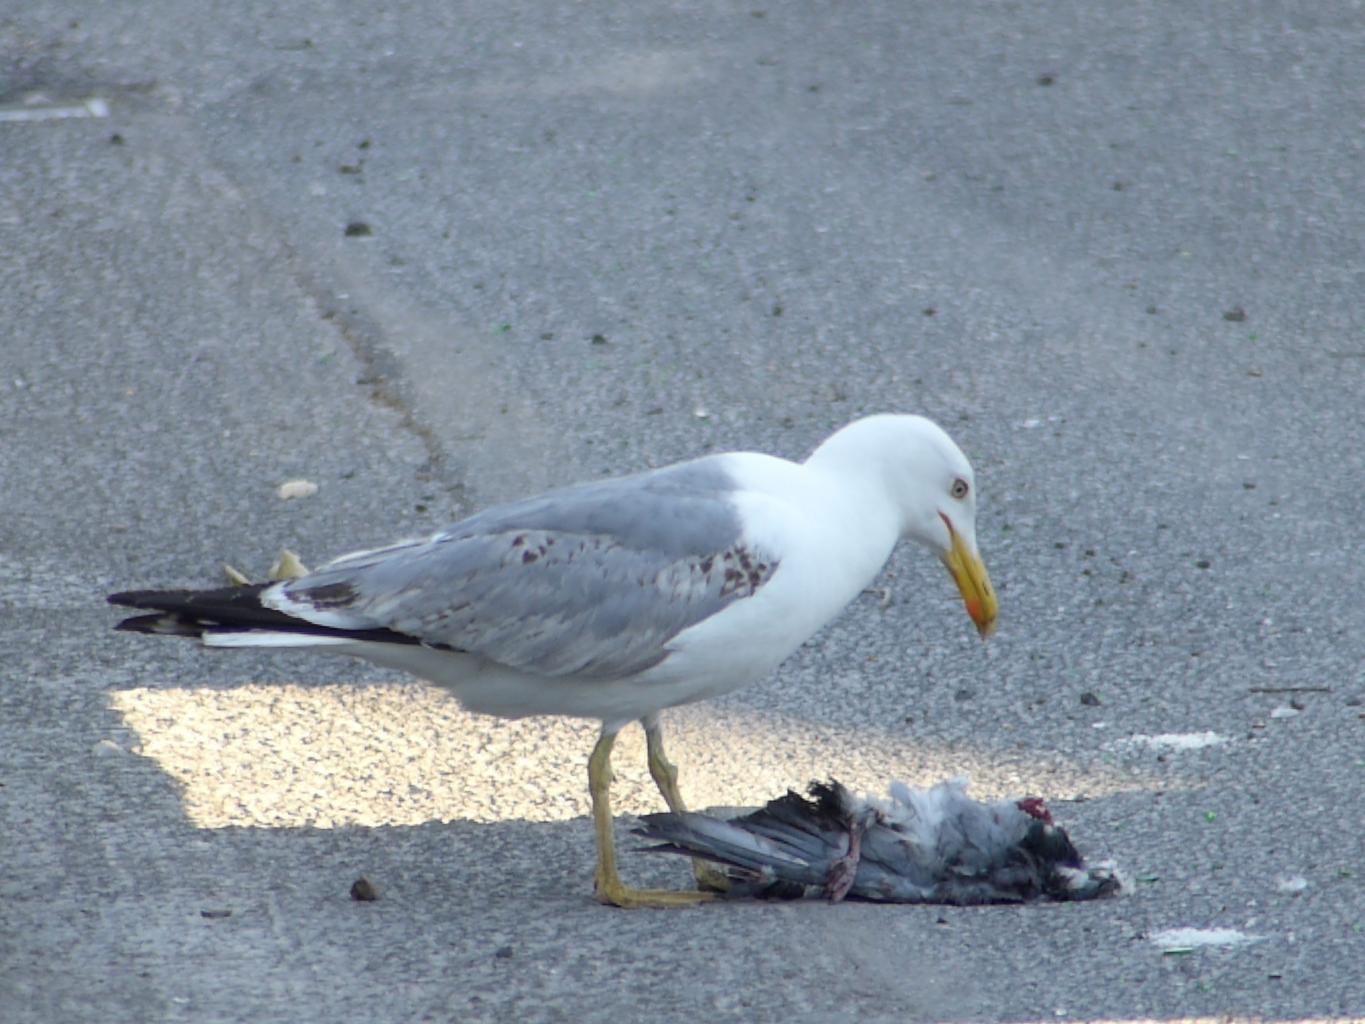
930	483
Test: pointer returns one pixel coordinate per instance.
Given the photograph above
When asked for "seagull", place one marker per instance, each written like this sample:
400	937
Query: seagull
616	599
935	845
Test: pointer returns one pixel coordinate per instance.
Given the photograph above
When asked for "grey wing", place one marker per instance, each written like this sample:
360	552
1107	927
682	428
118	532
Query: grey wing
590	581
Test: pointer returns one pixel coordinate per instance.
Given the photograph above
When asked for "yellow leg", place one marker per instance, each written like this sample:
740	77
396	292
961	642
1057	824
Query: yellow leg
665	774
607	882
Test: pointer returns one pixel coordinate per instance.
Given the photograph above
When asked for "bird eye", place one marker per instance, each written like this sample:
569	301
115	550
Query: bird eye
959	489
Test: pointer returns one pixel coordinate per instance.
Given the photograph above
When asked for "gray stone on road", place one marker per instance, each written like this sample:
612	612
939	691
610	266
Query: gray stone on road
1117	252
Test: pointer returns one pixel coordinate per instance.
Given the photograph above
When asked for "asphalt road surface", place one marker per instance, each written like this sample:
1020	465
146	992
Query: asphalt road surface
444	254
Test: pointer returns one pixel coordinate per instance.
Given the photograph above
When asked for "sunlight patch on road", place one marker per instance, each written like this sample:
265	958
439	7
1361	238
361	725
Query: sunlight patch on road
325	756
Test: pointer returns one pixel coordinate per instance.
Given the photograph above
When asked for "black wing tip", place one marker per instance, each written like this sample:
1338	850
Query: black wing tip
132	598
162	622
166	600
185	612
233	609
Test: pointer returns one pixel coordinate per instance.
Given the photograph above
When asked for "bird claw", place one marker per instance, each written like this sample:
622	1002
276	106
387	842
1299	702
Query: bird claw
710	878
614	893
845	869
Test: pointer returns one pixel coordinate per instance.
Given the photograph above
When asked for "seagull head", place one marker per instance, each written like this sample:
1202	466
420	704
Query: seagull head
942	514
931	484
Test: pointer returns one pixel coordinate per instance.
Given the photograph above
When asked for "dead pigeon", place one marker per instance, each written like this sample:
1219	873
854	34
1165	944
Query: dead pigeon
934	845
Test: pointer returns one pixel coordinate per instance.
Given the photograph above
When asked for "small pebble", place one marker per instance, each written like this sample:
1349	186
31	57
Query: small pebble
363	891
291	489
106	748
504	953
1090	700
215	914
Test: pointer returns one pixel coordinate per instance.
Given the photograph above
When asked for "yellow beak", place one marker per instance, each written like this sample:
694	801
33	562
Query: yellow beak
969	573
